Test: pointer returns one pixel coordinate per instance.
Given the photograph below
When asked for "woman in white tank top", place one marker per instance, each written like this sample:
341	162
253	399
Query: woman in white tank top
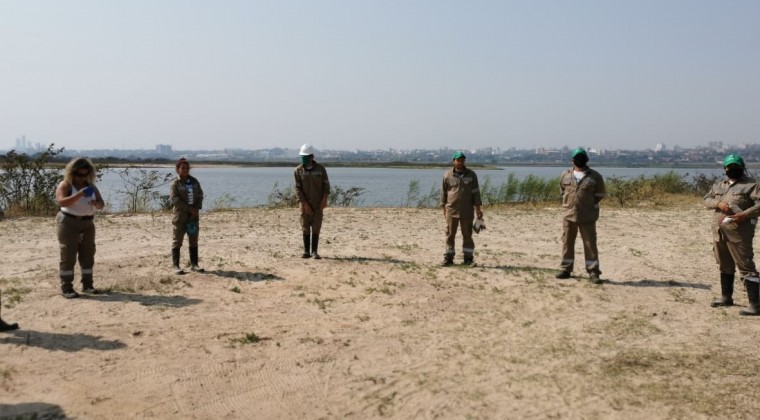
79	198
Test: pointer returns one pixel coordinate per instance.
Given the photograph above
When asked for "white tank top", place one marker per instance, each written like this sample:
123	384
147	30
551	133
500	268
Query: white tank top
80	207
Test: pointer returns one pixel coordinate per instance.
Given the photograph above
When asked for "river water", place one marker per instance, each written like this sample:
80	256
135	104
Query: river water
384	187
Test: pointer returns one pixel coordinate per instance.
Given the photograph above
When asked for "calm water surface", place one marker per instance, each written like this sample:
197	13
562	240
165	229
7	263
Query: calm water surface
384	187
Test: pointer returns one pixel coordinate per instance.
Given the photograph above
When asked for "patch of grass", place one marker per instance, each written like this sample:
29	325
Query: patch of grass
248	338
315	340
321	303
14	295
363	318
235	290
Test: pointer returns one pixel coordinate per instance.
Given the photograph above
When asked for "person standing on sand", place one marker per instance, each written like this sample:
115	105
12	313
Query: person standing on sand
460	199
582	189
736	204
186	196
79	198
313	189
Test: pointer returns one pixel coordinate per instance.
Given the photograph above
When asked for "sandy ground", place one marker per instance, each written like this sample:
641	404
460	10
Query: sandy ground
377	328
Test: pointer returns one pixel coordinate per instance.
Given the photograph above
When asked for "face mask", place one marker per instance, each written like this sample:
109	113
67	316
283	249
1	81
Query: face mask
305	160
580	161
735	173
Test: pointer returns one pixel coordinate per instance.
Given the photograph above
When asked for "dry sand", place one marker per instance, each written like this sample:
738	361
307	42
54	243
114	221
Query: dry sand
377	328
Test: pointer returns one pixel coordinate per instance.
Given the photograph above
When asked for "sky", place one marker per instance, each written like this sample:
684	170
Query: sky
361	74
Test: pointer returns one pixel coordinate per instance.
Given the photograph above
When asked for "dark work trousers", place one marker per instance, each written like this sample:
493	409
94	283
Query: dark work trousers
76	238
588	235
468	245
180	228
312	224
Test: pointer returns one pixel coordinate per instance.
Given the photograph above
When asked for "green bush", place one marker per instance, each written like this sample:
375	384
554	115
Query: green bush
27	185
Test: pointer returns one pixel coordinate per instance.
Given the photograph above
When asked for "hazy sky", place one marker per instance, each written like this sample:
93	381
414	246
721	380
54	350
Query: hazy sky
377	74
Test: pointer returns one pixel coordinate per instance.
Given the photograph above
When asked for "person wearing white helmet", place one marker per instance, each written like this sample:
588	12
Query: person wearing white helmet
313	189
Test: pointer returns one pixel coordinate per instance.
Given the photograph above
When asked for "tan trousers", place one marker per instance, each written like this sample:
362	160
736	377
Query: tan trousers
452	223
180	228
312	224
733	255
590	252
76	239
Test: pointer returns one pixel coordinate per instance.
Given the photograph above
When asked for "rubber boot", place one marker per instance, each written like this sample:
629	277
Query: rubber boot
194	260
753	294
175	261
306	246
87	284
67	287
4	326
726	291
315	246
468	259
448	259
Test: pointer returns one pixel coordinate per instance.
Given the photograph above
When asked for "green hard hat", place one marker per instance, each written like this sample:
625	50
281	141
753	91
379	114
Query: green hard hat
458	155
733	159
579	151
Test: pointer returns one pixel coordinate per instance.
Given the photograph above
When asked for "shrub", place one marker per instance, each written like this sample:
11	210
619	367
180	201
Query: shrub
27	185
141	188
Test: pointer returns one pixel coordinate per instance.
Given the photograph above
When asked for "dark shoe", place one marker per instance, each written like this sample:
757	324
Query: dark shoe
197	269
594	277
4	326
178	271
468	259
315	247
448	259
175	261
562	275
194	260
723	301
305	255
90	290
316	256
306	246
70	294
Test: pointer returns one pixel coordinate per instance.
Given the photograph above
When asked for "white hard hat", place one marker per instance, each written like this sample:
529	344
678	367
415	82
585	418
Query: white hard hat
306	150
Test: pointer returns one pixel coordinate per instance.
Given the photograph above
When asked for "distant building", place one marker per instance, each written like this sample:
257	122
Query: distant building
164	149
660	147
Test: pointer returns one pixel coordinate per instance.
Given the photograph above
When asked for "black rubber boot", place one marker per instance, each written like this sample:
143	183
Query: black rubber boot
4	326
726	291
194	260
306	246
175	261
753	294
315	246
88	285
468	259
448	259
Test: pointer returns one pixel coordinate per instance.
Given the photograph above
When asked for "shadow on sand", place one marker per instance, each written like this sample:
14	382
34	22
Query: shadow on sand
658	283
368	259
246	275
34	410
145	300
59	342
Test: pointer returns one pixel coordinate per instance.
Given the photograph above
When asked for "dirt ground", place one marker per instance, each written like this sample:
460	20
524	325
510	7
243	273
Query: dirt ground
377	328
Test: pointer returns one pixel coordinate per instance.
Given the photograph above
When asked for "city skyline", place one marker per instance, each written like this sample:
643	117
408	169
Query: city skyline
375	75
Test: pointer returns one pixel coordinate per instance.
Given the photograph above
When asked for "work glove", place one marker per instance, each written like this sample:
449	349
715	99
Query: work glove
479	225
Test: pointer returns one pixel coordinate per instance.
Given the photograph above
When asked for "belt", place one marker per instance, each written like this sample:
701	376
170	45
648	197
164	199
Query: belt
73	216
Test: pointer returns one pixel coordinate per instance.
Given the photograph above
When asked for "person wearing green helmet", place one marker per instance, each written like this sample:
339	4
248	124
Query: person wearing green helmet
582	189
460	199
735	201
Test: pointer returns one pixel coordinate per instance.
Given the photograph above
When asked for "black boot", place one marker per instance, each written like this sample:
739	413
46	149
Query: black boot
175	261
468	259
306	246
753	294
448	259
194	260
67	287
4	326
315	246
88	285
726	291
